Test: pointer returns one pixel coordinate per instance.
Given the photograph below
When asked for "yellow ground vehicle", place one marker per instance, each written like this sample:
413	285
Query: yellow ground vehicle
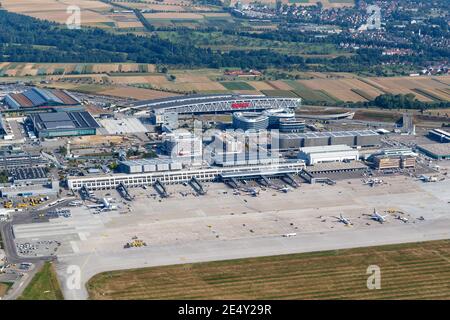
135	244
7	204
22	205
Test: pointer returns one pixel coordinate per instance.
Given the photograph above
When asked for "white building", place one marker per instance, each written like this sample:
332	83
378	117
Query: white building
333	153
184	147
102	182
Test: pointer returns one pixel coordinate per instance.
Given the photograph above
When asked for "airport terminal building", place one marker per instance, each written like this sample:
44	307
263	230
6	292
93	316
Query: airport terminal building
110	181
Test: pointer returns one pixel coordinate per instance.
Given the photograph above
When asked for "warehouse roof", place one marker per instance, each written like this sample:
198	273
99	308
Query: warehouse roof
38	97
140	162
324	149
329	134
438	149
63	120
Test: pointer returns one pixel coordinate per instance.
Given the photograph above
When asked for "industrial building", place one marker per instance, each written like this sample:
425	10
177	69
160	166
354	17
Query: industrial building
37	97
148	165
215	103
438	151
60	124
382	162
168	119
24	176
250	121
321	154
10	160
227	142
397	152
172	177
439	135
363	138
228	159
48	188
184	147
393	159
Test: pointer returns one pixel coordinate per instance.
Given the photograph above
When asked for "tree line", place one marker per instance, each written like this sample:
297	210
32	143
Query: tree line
26	39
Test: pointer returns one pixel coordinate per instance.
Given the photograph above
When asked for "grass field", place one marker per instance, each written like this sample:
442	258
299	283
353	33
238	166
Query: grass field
4	287
43	69
237	85
44	286
408	271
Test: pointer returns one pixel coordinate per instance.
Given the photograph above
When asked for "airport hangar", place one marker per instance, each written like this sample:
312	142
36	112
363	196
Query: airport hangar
161	109
61	124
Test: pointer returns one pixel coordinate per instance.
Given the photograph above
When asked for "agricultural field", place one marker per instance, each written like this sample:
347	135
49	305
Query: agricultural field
135	93
166	5
325	3
355	89
92	11
192	20
237	85
328	88
408	271
43	69
143	80
44	286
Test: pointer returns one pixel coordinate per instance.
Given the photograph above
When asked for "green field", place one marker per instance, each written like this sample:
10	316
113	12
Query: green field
408	271
237	85
44	286
4	287
310	95
279	93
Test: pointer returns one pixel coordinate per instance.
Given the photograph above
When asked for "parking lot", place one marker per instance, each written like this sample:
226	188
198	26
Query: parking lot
28	173
37	248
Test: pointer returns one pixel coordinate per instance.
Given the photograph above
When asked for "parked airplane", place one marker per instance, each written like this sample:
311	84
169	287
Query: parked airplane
104	205
344	220
285	189
404	219
378	217
425	178
252	191
373	182
75	203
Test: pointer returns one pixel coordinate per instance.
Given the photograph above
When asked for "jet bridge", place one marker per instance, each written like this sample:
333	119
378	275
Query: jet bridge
231	182
123	191
289	179
264	181
197	186
161	189
85	193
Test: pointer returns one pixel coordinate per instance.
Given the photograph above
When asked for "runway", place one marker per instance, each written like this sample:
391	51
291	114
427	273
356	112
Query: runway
91	264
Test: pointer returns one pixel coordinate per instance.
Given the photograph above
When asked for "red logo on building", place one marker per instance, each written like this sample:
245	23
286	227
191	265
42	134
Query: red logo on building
240	105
